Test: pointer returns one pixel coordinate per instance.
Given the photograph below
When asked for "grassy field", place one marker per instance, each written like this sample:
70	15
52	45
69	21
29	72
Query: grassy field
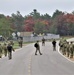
16	45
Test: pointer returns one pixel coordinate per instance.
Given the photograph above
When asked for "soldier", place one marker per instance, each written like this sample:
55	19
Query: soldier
64	47
10	48
43	42
5	49
71	50
20	42
61	44
36	45
0	51
68	51
54	44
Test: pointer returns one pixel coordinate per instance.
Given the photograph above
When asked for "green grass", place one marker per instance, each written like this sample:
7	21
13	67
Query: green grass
16	45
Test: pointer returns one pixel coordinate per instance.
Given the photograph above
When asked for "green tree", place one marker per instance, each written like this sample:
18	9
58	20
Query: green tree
18	21
46	17
40	28
56	14
35	14
5	27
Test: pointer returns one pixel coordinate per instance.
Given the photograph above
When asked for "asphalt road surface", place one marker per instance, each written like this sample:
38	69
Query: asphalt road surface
25	62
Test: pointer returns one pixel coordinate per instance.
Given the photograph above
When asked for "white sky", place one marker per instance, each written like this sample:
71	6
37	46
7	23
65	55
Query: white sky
7	7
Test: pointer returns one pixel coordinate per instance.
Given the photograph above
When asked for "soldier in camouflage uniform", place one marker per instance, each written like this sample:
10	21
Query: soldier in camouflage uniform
71	49
68	51
20	42
64	47
61	44
0	51
5	49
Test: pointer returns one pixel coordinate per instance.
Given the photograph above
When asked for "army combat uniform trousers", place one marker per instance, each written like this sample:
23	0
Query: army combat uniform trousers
5	52
0	53
54	47
43	43
37	49
10	55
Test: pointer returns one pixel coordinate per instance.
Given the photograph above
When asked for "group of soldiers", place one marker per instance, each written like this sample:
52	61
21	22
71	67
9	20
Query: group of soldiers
37	46
67	48
6	49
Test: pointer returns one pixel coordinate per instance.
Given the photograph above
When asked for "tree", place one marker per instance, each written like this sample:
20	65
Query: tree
45	17
5	27
35	14
18	21
28	24
57	13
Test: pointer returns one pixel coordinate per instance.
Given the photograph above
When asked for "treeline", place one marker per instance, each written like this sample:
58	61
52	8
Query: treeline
59	23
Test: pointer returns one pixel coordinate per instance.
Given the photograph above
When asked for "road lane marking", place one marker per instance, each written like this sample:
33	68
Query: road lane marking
29	66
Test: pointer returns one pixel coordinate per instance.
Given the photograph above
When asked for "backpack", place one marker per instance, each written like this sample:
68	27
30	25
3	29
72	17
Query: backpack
35	45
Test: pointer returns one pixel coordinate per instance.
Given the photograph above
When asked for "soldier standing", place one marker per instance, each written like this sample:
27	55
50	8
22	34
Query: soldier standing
5	49
43	42
64	48
10	48
54	44
71	50
64	42
0	51
61	45
20	42
68	51
37	46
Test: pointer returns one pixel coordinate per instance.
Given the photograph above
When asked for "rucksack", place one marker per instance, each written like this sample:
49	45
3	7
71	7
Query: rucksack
35	45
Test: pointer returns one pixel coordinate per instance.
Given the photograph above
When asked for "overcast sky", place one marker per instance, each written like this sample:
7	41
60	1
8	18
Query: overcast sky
7	7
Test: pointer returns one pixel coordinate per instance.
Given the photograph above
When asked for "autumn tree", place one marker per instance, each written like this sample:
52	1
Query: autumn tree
28	24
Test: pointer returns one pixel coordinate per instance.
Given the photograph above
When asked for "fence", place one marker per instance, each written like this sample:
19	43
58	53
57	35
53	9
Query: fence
32	39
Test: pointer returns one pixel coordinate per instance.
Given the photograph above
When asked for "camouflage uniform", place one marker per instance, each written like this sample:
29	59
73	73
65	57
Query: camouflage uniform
71	49
64	48
68	50
5	49
61	45
0	51
20	42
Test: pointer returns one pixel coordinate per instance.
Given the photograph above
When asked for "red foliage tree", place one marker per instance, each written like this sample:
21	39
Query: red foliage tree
29	24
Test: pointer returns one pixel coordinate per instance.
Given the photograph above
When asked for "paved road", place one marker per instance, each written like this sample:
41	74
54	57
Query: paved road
24	62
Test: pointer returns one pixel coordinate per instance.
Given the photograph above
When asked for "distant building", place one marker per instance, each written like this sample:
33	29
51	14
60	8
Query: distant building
22	34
